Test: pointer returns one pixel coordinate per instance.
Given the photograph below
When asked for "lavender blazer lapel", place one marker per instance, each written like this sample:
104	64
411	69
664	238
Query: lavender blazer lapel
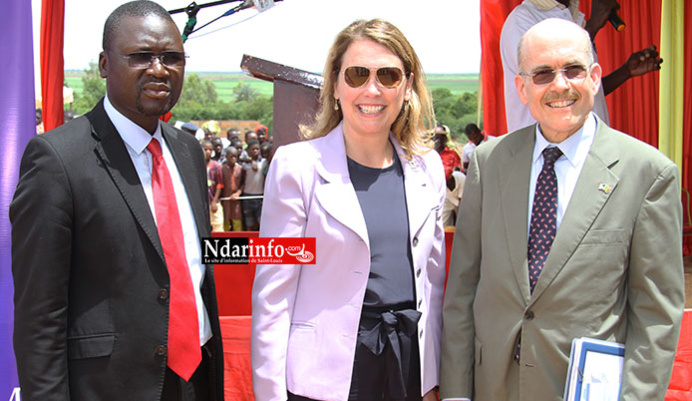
336	194
419	190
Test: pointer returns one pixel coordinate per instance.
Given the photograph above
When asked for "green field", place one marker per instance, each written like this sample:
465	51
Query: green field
73	79
457	83
226	81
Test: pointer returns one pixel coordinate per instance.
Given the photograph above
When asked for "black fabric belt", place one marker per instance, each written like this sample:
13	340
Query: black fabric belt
386	328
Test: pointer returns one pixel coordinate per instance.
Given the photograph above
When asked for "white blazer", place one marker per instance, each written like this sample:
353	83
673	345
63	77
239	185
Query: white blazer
305	317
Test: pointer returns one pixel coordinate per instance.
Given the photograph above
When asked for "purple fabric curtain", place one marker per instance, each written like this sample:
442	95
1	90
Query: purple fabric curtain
17	126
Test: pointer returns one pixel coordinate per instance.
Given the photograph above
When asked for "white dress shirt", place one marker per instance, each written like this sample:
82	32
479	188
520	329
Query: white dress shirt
523	17
136	140
574	149
452	198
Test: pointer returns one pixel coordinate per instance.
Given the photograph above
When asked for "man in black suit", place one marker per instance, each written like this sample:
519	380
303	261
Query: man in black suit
93	274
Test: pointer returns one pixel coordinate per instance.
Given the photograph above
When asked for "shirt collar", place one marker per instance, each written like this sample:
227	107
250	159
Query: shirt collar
575	148
136	137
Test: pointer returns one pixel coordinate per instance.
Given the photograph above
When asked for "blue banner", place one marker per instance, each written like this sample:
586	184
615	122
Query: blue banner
17	126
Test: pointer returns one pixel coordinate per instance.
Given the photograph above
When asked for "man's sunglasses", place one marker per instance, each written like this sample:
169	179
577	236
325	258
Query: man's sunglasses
389	77
143	60
546	76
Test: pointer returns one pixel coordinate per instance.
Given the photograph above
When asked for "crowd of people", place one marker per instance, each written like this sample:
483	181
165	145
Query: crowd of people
236	172
559	227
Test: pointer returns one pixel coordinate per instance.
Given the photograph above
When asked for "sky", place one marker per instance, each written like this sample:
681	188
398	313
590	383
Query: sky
297	33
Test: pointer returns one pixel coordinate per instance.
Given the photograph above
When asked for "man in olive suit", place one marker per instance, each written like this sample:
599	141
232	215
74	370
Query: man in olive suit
567	229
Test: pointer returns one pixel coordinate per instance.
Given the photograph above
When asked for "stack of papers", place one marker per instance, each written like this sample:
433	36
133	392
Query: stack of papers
595	370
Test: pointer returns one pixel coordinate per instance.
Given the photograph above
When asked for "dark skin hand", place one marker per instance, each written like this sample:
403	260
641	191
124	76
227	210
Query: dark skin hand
600	10
638	63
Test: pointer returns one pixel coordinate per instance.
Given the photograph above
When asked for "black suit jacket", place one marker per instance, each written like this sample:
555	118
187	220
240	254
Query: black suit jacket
91	305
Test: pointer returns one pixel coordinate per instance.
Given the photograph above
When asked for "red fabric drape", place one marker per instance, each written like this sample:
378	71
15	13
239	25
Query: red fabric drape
687	107
52	63
680	388
493	15
633	107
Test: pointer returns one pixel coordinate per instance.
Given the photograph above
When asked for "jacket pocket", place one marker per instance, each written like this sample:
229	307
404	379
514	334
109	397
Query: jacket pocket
602	237
90	346
302	325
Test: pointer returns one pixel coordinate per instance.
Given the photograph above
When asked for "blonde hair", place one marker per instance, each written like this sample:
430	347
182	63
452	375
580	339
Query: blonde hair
416	121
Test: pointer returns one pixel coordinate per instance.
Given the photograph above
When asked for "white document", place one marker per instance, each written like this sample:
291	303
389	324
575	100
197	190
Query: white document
595	370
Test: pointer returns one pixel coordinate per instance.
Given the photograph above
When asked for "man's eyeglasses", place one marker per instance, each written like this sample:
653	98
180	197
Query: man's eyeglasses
546	76
389	77
143	60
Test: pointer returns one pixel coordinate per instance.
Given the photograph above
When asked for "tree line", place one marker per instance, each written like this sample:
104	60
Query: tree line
200	101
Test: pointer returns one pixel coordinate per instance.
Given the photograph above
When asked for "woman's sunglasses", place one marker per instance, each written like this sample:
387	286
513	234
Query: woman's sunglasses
389	77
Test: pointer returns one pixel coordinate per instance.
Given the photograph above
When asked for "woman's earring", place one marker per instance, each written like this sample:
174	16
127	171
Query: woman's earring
336	105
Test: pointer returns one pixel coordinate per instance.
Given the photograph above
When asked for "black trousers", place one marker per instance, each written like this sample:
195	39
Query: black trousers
197	389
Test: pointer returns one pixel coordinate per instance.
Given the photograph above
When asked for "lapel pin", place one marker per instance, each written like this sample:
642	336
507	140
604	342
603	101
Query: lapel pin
604	187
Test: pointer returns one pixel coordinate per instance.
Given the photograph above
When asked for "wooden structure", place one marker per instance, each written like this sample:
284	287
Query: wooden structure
296	96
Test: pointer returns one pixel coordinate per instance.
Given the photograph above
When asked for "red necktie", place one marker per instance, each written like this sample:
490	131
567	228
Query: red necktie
184	353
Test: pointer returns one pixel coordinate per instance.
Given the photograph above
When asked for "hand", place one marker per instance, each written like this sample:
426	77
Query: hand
643	61
600	11
430	396
214	207
234	196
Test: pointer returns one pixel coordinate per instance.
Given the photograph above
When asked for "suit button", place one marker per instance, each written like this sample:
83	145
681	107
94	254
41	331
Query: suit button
529	315
161	350
163	294
415	241
418	272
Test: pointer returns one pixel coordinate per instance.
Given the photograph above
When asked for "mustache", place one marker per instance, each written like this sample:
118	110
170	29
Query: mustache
567	94
153	80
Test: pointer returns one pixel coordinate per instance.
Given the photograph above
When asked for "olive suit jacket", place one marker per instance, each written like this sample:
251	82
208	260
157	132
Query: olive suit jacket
614	272
91	305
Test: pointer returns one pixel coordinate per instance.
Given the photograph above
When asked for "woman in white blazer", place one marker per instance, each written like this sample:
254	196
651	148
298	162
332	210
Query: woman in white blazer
363	322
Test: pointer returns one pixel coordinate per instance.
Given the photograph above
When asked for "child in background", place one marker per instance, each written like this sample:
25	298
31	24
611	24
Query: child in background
215	184
253	185
218	155
266	151
232	188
